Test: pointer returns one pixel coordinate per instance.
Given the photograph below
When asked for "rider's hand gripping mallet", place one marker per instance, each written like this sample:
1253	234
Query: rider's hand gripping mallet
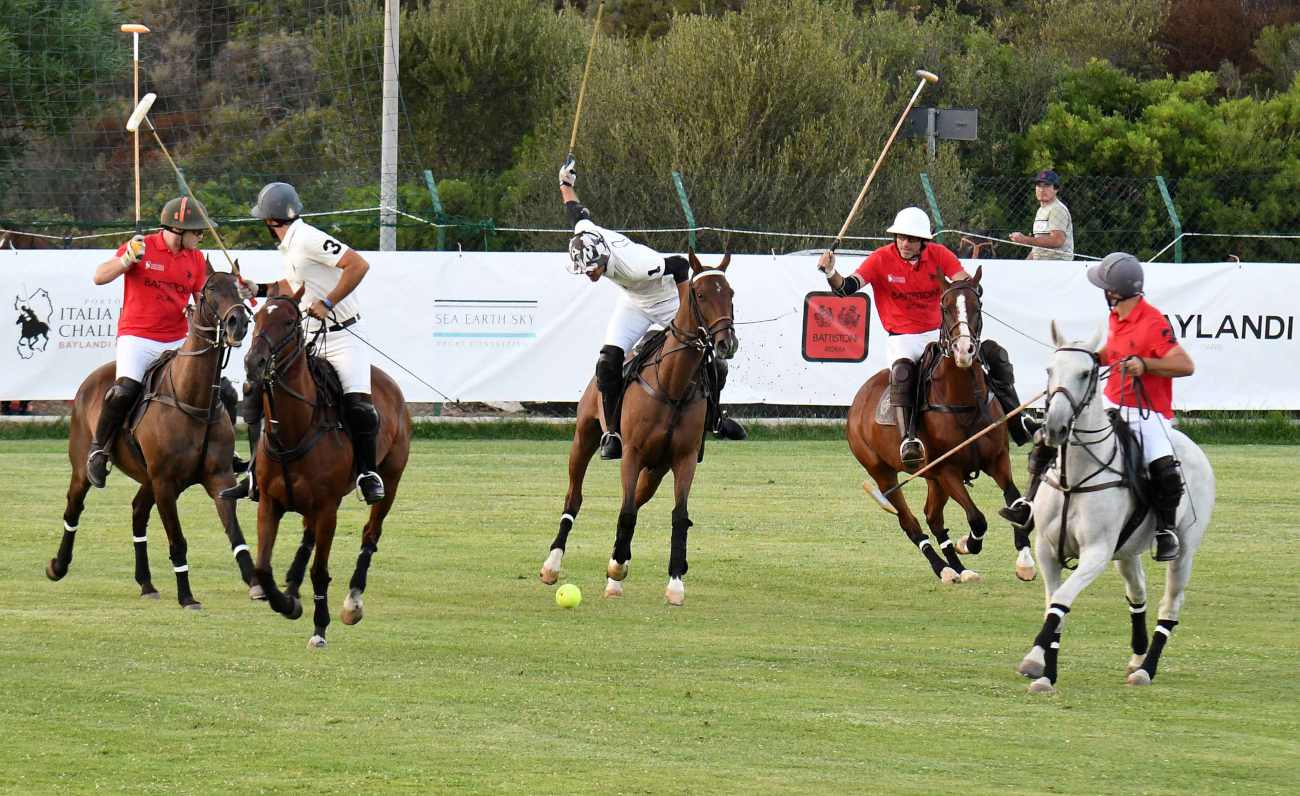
582	89
883	497
141	114
926	77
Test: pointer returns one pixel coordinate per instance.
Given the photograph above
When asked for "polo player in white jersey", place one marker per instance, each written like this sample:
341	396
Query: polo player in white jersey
652	288
328	272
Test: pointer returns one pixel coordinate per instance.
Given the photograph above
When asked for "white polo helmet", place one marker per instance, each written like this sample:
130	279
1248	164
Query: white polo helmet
587	252
913	222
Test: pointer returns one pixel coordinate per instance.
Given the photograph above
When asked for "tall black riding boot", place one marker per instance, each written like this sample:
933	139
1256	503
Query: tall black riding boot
230	400
902	395
724	426
252	412
364	421
1002	381
117	402
1020	513
1167	492
609	380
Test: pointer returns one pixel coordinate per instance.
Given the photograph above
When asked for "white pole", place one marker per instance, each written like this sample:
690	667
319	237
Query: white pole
388	143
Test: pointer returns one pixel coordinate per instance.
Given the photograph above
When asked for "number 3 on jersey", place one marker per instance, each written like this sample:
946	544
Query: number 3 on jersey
332	246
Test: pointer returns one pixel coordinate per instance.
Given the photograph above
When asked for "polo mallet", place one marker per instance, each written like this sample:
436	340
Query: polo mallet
883	497
135	29
141	114
582	89
926	77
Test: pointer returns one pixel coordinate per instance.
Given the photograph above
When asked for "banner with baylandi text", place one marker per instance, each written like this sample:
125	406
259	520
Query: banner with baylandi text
519	327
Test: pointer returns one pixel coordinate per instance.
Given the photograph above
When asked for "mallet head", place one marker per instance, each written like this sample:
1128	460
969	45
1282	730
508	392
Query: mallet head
141	110
134	27
929	77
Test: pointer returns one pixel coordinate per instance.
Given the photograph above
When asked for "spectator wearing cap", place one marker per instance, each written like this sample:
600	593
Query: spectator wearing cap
1053	237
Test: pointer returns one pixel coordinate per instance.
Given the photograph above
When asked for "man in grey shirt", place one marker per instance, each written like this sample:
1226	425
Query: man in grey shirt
1053	237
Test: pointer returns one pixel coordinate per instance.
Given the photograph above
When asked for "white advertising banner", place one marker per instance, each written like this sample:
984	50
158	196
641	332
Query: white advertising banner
518	327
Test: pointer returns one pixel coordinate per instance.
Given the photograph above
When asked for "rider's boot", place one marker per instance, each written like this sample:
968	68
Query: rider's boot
724	427
1167	492
902	395
117	402
1002	381
252	412
609	380
364	421
1020	512
230	400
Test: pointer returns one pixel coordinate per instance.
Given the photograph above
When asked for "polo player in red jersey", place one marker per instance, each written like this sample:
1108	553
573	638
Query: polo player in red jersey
1144	358
161	272
902	280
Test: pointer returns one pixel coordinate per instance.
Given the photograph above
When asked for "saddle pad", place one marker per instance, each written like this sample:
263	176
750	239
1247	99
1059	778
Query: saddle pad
641	353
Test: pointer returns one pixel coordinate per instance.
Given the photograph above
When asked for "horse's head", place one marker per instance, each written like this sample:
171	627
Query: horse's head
1072	378
711	305
963	319
278	339
221	310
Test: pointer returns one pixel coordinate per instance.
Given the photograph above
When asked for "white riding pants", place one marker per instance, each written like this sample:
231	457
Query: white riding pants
630	321
136	354
349	356
908	346
1152	430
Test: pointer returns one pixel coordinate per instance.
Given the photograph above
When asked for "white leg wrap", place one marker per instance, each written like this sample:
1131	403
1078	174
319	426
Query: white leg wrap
1162	629
181	568
139	539
69	528
568	517
1138	609
239	548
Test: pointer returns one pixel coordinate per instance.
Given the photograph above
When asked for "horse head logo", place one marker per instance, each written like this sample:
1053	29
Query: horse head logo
33	317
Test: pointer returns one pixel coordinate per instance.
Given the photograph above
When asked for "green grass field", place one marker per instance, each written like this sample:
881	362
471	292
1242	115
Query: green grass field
815	654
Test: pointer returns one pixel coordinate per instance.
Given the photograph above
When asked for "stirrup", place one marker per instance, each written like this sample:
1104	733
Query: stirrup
916	447
1167	545
1019	514
611	446
371	487
92	474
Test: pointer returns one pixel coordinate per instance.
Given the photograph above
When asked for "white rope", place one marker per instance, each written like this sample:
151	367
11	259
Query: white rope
1257	235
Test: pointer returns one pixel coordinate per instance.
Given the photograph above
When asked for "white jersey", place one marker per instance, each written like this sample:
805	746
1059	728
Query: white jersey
636	268
311	258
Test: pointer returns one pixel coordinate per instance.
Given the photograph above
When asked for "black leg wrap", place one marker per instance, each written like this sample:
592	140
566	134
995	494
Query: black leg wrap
623	542
358	581
1138	639
298	569
1051	625
931	555
320	585
1164	629
63	558
142	574
1050	654
677	565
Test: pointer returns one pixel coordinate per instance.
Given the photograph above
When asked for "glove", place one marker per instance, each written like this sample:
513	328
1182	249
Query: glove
247	290
134	251
569	172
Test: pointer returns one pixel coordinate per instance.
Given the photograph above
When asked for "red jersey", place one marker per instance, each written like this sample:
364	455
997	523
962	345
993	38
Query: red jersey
1147	334
157	290
907	296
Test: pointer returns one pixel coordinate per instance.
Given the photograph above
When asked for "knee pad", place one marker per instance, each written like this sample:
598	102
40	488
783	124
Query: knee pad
1040	458
1164	474
251	406
902	378
123	390
998	361
720	373
228	395
609	368
361	412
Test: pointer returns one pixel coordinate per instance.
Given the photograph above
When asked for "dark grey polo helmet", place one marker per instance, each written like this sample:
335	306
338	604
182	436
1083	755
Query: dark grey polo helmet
1118	272
277	201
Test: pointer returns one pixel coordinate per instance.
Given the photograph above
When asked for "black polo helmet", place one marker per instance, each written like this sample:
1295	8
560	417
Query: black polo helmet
277	201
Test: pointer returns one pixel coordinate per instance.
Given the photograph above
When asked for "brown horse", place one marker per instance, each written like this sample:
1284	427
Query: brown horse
182	436
957	404
304	462
663	417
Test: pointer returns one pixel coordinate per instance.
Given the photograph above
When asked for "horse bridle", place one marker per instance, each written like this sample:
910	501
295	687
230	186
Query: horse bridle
219	322
946	331
1094	379
275	366
704	332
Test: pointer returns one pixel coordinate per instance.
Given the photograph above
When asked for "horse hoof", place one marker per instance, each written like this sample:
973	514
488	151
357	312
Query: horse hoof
149	593
969	546
52	572
194	606
949	575
255	592
675	594
615	570
1026	573
549	576
1025	565
970	576
1134	664
1139	677
316	642
350	617
1042	686
295	609
1031	666
551	566
613	588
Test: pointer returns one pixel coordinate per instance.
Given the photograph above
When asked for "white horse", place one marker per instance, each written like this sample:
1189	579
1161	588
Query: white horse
1087	525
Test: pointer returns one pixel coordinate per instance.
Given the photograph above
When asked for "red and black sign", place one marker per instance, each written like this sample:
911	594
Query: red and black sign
835	327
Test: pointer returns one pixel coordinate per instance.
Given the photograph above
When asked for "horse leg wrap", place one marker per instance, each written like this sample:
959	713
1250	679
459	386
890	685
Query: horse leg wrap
623	542
1164	629
677	565
63	558
1138	617
1051	625
358	581
927	550
298	569
320	584
141	545
1050	654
